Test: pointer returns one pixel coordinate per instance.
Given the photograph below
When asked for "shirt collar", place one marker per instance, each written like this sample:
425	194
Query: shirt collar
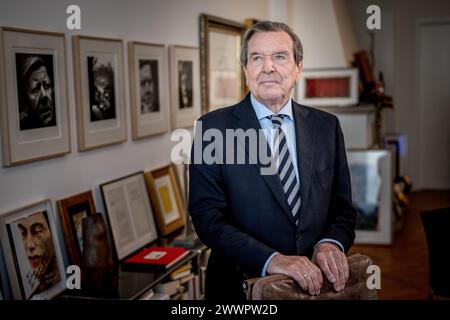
263	112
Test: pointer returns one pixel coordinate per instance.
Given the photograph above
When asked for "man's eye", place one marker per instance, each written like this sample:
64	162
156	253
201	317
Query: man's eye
35	90
280	57
256	58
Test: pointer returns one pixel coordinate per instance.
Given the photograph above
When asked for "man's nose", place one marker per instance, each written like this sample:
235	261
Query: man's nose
29	244
268	65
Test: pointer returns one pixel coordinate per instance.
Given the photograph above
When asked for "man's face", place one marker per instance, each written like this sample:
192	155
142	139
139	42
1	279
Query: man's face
39	92
37	240
271	71
147	85
102	92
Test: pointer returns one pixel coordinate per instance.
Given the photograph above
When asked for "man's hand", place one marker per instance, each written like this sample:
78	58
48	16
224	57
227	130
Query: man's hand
300	268
333	262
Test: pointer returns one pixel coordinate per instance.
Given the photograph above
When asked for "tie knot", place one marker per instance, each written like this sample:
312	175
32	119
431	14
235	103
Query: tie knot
277	120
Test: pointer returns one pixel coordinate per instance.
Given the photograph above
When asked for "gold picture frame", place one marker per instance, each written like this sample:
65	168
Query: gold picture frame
222	78
72	211
99	91
150	106
168	204
34	111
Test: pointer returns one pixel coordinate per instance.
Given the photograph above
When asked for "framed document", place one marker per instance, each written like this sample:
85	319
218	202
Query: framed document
370	172
223	82
32	252
129	212
100	91
148	89
33	95
167	199
72	211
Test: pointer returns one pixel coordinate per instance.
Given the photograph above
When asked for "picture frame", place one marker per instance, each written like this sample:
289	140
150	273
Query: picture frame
32	252
99	91
129	213
370	172
150	107
72	211
185	86
223	81
34	103
328	87
165	192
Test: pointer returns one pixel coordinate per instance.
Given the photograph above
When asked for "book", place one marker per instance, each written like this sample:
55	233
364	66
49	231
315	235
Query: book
154	259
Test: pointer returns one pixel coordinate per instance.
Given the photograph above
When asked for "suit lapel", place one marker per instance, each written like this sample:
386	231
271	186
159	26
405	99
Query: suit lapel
304	137
247	120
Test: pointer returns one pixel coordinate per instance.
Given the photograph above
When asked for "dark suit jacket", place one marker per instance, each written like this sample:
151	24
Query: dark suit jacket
244	216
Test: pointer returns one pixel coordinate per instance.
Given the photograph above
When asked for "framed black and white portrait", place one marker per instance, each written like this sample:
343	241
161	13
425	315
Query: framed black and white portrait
100	91
32	252
149	89
34	106
185	86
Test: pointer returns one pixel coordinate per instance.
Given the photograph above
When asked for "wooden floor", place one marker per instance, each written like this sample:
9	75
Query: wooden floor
404	264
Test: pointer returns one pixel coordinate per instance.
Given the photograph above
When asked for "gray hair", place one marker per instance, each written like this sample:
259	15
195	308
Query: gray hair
270	26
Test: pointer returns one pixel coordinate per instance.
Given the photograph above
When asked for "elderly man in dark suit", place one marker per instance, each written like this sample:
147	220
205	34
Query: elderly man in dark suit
299	219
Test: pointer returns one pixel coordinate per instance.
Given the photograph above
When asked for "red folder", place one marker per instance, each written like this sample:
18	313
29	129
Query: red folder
154	259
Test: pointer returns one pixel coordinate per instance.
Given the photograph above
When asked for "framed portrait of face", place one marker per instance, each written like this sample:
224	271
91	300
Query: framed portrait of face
149	89
167	199
370	173
72	211
32	252
185	86
223	82
129	212
33	95
100	91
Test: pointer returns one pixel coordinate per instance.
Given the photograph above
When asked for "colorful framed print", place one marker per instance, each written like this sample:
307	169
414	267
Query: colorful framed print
167	200
32	252
148	89
100	91
223	82
185	86
72	211
129	212
328	87
33	92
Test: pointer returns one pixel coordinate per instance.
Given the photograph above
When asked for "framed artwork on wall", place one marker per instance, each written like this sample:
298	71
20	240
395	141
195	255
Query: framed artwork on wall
129	212
100	91
370	172
32	252
328	87
33	92
223	82
185	86
148	89
72	211
167	199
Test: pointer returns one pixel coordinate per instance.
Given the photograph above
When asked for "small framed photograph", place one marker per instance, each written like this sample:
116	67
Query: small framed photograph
129	212
100	91
185	86
148	89
328	87
223	82
34	101
32	252
370	172
72	211
167	200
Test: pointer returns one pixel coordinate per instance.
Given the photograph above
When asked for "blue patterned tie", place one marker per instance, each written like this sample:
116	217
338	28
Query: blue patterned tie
285	166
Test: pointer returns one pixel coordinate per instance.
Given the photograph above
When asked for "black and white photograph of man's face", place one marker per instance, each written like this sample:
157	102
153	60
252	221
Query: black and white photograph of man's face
185	85
35	90
149	86
101	88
